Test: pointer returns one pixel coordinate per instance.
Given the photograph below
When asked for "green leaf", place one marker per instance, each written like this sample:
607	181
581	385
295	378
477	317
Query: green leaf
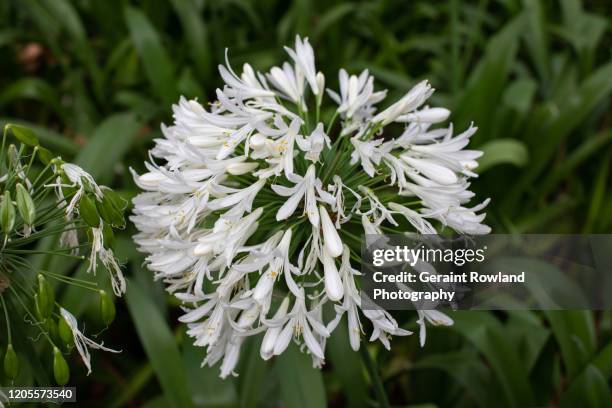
331	18
206	387
579	155
253	374
32	88
488	336
502	151
347	366
48	138
519	95
108	144
196	35
481	97
574	331
157	64
466	369
549	132
301	384
535	37
24	135
590	389
160	346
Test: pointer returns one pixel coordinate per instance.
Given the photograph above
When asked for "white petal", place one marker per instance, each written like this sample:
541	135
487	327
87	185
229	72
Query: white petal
331	239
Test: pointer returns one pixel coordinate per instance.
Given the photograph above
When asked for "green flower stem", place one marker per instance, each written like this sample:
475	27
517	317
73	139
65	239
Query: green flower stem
31	161
3	143
331	123
8	322
31	251
379	389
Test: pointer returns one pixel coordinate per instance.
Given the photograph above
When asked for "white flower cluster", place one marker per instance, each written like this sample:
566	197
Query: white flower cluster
255	214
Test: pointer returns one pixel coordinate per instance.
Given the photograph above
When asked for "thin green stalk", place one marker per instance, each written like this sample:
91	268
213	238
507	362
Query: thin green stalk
31	316
3	144
379	388
8	322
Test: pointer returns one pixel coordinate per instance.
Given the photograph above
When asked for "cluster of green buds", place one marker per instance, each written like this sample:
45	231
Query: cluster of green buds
53	218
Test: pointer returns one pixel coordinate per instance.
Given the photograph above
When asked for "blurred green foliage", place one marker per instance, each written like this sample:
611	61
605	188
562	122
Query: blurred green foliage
95	78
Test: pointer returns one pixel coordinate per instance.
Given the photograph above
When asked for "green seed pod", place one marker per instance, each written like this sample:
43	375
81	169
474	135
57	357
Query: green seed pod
13	156
65	334
39	308
107	308
61	372
108	236
25	205
87	210
118	202
52	329
109	213
46	296
11	363
7	213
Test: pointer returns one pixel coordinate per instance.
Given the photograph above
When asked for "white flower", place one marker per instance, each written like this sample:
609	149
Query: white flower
434	317
303	56
255	200
357	95
314	144
409	102
80	341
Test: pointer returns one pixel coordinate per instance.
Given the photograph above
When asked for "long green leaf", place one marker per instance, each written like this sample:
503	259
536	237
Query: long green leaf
301	384
108	144
196	35
156	62
502	151
160	346
488	336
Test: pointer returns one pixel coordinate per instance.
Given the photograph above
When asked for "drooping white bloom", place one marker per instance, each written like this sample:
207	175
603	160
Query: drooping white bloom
80	341
84	183
252	211
434	317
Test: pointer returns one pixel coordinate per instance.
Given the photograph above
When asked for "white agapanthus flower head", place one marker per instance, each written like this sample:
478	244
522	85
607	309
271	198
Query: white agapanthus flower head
254	209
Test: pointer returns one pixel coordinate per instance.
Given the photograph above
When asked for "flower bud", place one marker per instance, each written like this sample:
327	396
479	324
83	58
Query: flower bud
108	236
64	332
61	372
88	212
333	282
46	296
12	155
52	329
7	213
11	363
107	308
38	308
320	78
331	239
25	205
